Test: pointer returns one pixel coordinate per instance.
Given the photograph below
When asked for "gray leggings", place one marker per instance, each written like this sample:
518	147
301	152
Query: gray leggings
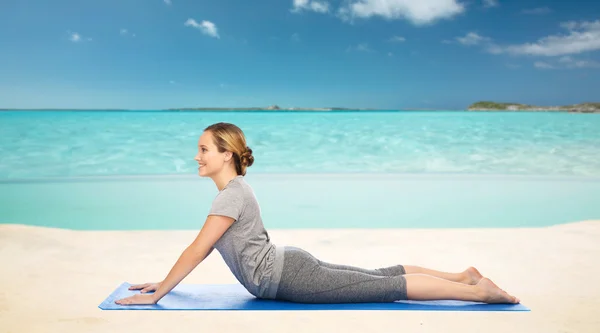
306	279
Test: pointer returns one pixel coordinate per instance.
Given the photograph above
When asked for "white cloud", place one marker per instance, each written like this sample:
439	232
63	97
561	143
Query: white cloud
569	62
537	11
490	3
77	38
207	27
168	2
566	59
363	47
399	39
125	32
472	38
582	37
319	7
418	12
542	65
569	25
566	62
310	5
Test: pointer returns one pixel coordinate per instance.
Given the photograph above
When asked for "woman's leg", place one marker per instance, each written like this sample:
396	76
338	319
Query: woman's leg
469	276
385	271
427	287
305	280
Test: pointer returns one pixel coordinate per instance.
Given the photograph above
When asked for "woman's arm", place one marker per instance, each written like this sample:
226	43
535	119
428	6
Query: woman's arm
214	227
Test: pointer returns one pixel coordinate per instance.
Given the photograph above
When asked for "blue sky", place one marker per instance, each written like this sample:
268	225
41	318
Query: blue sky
153	54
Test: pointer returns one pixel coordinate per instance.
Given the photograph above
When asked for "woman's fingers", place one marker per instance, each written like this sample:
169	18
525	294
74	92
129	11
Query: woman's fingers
125	301
151	287
139	286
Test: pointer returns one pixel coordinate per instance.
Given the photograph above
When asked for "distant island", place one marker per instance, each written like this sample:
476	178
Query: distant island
479	106
269	108
495	106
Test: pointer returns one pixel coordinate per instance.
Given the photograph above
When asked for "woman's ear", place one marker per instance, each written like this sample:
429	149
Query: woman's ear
228	156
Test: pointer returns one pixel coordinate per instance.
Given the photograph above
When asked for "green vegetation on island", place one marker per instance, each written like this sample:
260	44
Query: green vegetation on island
495	106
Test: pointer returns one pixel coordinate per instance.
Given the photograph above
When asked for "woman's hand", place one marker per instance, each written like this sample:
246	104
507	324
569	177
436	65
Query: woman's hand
137	299
146	287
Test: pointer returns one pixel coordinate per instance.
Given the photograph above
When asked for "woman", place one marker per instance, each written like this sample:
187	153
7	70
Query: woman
235	228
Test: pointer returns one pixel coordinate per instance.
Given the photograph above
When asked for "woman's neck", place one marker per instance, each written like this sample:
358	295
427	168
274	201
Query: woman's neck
221	180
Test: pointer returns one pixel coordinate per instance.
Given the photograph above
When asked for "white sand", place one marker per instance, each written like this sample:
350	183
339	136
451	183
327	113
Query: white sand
53	280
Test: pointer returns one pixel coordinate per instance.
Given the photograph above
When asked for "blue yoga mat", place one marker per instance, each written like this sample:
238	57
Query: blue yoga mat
236	297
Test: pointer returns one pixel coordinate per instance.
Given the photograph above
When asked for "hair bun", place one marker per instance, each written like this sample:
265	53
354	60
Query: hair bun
246	158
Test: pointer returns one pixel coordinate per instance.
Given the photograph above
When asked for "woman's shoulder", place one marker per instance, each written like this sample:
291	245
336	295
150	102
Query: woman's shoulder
235	188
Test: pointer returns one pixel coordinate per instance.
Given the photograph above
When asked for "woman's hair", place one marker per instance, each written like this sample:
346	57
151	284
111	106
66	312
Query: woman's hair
229	137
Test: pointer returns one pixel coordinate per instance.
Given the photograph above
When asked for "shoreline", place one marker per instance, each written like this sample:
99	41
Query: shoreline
56	277
291	201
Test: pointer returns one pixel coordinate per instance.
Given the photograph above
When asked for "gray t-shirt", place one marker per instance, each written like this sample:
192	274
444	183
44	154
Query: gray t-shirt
246	246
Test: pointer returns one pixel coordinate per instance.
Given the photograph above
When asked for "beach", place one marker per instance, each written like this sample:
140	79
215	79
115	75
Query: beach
54	279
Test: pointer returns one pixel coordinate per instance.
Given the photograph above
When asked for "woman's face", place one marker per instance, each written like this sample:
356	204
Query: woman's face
210	160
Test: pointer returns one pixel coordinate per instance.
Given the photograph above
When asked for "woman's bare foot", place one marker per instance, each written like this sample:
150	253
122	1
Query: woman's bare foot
491	293
472	276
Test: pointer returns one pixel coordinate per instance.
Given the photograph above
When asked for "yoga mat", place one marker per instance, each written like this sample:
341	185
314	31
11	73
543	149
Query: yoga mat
236	297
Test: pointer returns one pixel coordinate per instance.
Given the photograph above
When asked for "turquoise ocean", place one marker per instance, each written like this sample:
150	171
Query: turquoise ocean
125	170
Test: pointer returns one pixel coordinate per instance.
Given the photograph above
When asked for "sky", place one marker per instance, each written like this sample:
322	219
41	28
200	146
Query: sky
383	54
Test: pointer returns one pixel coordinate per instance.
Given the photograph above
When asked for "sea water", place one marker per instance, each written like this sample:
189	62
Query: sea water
64	144
135	170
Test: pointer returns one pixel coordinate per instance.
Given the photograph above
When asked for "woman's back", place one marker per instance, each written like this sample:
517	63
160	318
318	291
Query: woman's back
246	247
